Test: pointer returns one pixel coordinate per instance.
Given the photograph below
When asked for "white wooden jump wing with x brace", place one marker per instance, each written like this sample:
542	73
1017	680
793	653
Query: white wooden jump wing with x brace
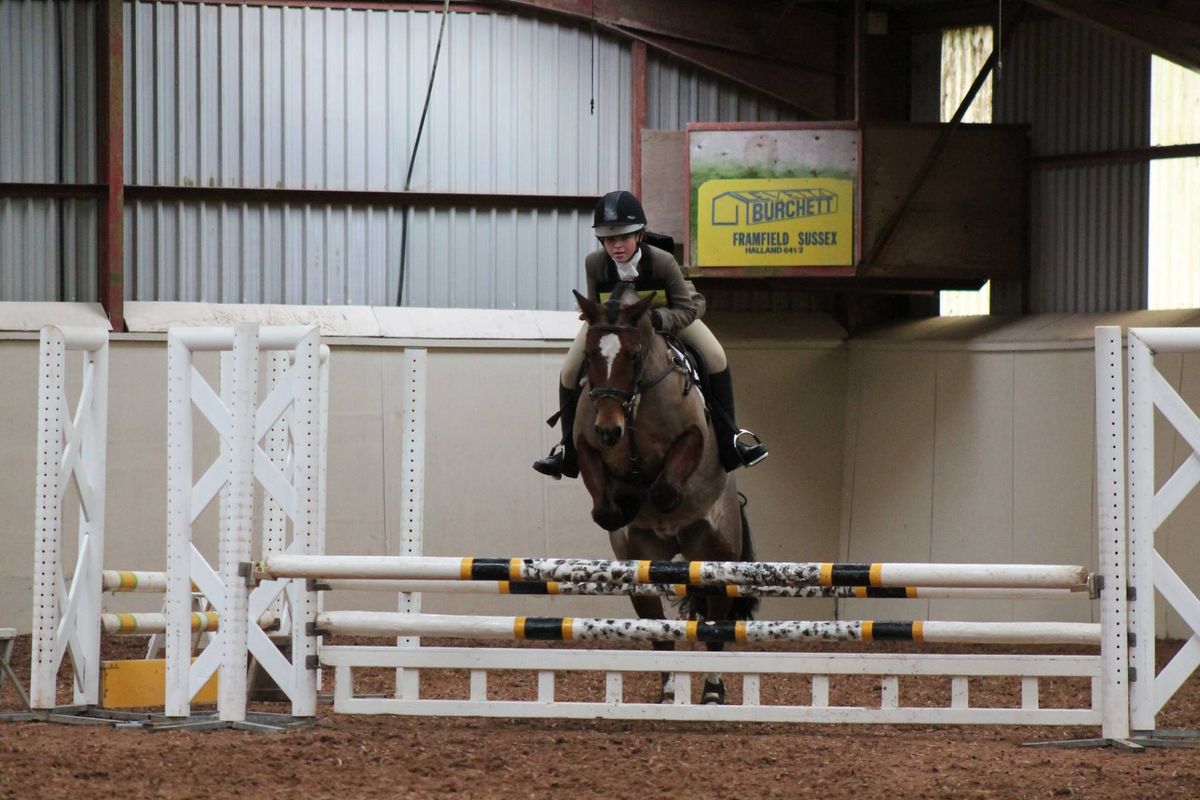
71	451
241	423
1148	570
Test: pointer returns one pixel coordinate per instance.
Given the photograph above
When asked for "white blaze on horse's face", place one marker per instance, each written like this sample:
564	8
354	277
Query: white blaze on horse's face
610	345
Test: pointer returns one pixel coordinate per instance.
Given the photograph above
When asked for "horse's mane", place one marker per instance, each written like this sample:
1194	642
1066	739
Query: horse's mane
623	294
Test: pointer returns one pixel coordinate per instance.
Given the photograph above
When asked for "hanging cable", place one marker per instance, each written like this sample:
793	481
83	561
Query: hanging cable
412	158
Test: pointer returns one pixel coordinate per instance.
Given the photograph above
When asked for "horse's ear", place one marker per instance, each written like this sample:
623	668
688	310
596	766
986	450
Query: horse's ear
638	309
591	310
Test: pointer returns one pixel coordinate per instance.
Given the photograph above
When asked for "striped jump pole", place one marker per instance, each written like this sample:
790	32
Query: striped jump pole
152	622
579	629
681	590
129	580
696	573
148	622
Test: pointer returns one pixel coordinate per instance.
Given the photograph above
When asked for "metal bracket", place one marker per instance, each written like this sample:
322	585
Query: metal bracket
246	572
312	662
1131	593
1095	584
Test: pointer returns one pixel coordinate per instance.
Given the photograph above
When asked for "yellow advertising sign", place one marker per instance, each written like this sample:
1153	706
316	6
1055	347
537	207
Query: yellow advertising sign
775	222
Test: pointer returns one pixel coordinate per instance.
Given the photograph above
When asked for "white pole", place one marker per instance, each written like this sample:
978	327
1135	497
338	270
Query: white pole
306	447
1141	533
179	525
1110	517
235	545
52	399
93	437
412	503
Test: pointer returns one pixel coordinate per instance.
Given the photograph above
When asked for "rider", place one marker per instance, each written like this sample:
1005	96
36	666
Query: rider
620	225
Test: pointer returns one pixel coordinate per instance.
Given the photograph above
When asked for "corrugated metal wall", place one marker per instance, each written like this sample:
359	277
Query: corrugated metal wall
1081	92
1174	268
677	94
325	98
47	130
331	99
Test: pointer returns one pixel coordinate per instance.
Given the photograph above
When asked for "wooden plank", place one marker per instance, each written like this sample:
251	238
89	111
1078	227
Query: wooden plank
966	220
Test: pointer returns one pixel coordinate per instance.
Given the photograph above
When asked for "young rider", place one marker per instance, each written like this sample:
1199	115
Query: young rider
620	225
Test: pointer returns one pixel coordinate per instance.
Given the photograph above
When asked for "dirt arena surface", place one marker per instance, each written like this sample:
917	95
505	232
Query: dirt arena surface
397	757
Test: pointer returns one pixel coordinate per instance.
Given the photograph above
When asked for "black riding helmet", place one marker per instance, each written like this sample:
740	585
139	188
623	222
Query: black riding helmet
617	214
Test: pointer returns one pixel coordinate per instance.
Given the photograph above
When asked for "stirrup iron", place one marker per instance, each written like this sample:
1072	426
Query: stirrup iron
757	447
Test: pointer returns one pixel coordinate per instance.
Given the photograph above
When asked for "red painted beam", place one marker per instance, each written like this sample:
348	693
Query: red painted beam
638	52
110	125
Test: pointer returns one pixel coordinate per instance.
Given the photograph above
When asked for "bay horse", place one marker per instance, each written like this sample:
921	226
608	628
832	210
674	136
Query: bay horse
648	457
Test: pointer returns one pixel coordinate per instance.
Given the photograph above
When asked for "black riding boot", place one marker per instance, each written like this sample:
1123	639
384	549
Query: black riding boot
733	451
561	460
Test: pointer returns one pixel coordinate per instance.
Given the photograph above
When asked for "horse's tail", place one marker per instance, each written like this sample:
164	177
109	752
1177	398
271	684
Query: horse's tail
744	607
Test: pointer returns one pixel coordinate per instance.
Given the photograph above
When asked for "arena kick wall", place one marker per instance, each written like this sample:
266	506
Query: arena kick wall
940	441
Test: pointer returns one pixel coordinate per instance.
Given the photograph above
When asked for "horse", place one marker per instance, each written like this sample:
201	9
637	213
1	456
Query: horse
648	457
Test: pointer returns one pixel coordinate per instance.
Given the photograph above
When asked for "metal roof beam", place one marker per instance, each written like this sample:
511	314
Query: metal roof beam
1175	36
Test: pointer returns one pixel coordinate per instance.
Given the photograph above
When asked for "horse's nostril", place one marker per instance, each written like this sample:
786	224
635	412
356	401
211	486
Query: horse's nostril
609	436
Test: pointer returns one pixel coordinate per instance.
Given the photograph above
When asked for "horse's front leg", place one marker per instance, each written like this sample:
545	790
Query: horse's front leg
607	512
666	493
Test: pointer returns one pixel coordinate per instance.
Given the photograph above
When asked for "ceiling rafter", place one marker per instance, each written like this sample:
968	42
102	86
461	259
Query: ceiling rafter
785	51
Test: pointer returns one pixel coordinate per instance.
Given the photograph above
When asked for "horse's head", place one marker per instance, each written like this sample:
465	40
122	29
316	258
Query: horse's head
618	341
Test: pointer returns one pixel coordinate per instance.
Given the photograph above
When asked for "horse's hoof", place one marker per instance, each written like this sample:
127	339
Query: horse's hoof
665	498
713	694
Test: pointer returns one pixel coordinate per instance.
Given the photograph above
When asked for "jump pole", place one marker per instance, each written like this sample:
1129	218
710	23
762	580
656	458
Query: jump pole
579	629
684	590
698	573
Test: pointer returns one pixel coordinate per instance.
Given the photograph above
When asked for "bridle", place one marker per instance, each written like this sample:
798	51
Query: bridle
631	397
